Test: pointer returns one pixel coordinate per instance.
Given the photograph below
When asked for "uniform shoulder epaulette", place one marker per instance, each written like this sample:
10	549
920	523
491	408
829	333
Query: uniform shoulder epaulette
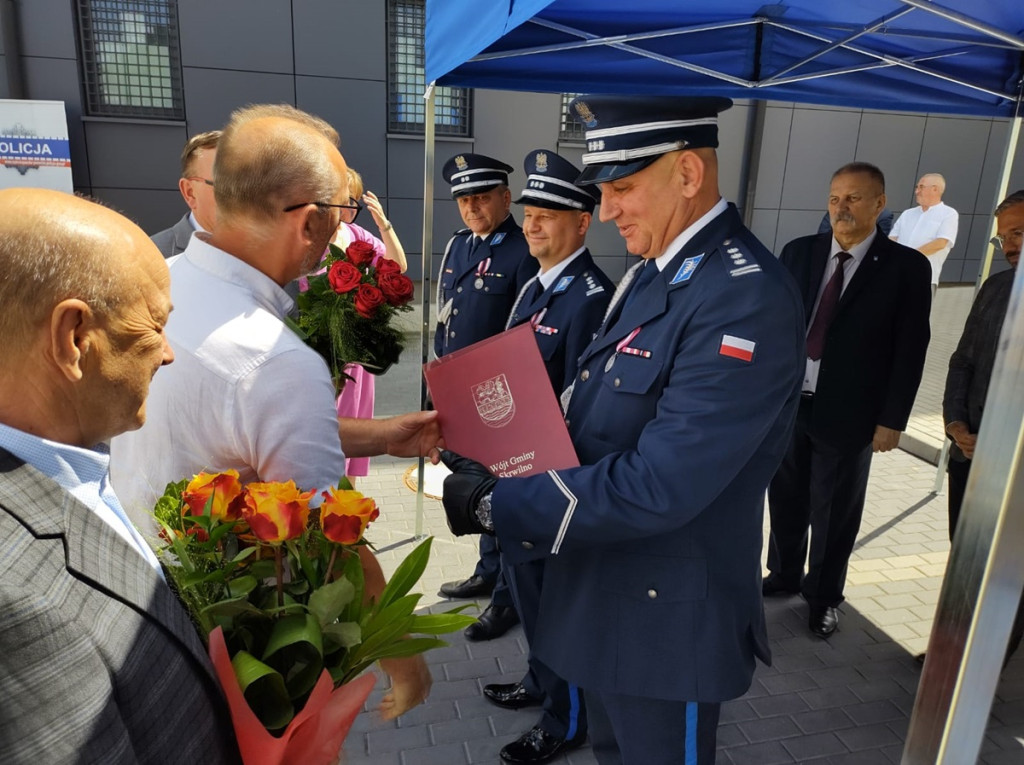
738	260
593	285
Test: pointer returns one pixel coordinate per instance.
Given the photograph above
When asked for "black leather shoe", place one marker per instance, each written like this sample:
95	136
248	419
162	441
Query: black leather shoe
494	622
511	696
824	621
474	587
536	746
773	587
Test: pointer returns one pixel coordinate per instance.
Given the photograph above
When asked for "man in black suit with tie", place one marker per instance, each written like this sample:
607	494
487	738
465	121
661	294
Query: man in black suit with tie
866	302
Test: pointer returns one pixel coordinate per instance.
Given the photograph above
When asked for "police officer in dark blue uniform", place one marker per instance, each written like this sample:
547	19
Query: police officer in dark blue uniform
680	411
565	304
483	270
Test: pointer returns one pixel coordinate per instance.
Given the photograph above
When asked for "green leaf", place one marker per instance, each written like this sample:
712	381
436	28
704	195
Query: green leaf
341	635
295	648
264	690
328	602
439	624
407	574
401	610
242	586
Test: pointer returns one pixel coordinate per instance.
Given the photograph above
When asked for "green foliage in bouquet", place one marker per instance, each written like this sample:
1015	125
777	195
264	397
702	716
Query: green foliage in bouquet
347	312
287	588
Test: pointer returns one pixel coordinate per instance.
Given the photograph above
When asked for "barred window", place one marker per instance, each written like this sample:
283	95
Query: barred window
131	58
570	128
406	81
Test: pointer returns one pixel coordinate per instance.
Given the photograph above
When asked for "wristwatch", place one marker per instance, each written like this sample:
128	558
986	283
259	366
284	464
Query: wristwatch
483	512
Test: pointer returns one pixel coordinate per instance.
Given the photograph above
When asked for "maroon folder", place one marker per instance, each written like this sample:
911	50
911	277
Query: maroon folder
495	405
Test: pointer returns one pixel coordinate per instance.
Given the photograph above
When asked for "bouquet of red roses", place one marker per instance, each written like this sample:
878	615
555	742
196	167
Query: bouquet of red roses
347	312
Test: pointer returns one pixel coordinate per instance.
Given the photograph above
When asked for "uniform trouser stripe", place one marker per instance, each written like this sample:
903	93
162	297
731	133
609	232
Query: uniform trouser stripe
691	733
574	711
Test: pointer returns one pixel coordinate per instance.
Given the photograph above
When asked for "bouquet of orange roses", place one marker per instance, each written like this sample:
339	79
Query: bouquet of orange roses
276	590
346	313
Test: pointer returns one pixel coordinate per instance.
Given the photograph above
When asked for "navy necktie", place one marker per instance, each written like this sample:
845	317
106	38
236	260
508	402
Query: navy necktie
645	277
826	309
474	242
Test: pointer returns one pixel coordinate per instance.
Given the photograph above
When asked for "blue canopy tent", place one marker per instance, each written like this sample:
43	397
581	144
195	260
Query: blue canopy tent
954	57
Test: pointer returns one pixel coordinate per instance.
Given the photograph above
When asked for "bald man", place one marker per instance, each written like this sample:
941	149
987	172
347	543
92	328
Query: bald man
247	393
931	227
98	660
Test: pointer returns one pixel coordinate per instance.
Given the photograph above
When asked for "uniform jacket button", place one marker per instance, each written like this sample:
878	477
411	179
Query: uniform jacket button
458	289
617	382
453	333
652	594
455	312
527	544
585	375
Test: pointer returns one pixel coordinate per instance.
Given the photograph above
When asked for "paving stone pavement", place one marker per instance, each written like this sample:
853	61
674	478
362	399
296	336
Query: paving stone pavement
845	701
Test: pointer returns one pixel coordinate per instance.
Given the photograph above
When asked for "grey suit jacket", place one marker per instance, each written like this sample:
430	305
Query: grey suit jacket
173	240
98	660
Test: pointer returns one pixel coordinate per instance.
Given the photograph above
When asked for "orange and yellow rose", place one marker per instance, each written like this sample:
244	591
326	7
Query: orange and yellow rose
222	490
345	514
276	512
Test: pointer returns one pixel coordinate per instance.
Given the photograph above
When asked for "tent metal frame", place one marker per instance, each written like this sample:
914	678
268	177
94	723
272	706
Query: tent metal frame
984	580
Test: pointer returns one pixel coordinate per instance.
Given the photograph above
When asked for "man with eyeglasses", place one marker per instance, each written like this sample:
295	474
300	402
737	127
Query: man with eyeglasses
247	393
196	187
970	366
930	228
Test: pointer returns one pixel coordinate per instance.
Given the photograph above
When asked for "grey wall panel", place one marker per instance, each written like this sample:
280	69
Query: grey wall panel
356	109
994	158
123	156
212	94
335	39
820	142
153	210
891	141
508	125
57	80
732	130
5	91
771	170
956	148
794	224
765	224
405	167
48	28
236	34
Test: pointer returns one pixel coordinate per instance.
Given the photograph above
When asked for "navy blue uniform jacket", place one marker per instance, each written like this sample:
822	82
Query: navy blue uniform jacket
653	580
876	344
568	314
481	311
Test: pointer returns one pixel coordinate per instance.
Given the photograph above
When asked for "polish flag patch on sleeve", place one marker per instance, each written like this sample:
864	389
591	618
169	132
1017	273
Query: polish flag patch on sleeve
737	348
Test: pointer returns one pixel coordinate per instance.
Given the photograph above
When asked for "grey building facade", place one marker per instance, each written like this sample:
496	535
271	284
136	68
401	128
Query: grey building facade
331	57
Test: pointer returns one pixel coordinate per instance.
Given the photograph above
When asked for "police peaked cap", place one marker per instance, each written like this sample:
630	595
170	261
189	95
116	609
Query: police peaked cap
474	174
625	134
551	183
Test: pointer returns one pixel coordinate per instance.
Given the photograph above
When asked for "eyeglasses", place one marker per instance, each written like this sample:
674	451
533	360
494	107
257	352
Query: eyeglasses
322	205
207	181
353	202
999	241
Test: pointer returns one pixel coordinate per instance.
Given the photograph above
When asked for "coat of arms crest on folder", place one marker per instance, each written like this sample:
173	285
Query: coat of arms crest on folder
494	402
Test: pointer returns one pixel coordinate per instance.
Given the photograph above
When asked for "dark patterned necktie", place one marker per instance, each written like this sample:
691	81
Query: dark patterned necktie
826	309
645	277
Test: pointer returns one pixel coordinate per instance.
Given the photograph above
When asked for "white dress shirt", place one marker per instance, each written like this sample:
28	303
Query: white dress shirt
244	391
857	253
916	226
82	473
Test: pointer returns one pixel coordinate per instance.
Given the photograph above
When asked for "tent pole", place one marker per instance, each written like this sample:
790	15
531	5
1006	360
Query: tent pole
427	268
1004	183
982	586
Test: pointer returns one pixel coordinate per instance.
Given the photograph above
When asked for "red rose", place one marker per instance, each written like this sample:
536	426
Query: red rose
385	266
344	277
360	253
368	299
397	288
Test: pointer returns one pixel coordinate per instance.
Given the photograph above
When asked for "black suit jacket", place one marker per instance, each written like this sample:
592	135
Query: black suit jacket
875	347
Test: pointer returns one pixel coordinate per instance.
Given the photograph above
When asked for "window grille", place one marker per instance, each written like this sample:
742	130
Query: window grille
406	80
130	58
570	128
